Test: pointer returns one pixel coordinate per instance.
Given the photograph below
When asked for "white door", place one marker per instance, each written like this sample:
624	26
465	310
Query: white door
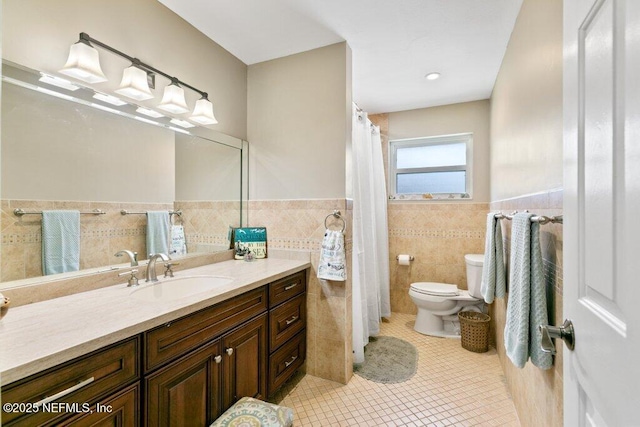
602	211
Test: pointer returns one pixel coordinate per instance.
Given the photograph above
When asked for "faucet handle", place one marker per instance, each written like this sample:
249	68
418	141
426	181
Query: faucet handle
169	268
133	280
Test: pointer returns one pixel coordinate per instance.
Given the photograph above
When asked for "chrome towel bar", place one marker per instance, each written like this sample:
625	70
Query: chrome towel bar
21	212
557	219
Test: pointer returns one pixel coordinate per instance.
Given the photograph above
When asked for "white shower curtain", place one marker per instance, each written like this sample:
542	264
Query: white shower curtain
370	269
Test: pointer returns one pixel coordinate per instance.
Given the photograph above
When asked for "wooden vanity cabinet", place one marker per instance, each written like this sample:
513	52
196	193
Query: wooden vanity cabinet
185	372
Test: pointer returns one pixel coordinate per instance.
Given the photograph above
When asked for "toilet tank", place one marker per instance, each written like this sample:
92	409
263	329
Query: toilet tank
474	273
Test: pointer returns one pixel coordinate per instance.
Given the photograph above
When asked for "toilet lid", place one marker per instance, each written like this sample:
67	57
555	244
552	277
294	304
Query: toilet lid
436	289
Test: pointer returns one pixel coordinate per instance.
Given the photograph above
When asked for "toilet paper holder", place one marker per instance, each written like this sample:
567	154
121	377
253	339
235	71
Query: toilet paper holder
411	257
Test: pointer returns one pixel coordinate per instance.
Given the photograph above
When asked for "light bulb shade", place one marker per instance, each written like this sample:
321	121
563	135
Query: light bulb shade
173	100
134	84
84	64
203	113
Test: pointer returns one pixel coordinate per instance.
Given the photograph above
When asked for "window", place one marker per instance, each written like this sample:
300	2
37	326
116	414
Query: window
434	167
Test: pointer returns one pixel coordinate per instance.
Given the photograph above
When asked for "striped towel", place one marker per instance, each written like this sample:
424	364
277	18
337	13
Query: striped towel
60	241
493	274
527	306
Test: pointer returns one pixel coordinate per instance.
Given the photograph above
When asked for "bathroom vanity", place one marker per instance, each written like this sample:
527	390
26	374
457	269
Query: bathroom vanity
107	358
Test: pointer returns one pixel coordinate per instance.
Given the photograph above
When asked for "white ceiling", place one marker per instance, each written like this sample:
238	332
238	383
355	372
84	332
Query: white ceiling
395	43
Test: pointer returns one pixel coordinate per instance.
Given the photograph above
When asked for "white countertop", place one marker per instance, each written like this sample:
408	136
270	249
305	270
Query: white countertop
39	336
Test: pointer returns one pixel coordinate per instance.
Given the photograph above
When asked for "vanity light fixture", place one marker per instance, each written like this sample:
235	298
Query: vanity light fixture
57	81
203	113
134	84
432	76
109	99
173	99
84	64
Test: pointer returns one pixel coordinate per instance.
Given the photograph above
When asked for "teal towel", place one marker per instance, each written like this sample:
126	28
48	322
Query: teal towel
60	241
493	274
158	232
527	306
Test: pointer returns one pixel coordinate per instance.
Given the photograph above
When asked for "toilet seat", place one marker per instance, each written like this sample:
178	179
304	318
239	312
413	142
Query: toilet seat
441	290
435	289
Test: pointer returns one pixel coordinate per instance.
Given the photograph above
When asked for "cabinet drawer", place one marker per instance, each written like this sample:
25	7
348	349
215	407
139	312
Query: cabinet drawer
286	320
284	362
283	289
84	381
176	338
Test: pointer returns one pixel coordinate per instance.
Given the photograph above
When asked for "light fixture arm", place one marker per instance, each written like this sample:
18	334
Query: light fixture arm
86	38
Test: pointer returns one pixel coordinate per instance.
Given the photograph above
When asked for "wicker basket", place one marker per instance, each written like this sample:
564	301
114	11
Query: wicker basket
474	331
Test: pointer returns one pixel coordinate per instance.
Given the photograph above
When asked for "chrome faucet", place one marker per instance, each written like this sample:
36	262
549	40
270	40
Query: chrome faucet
151	266
133	256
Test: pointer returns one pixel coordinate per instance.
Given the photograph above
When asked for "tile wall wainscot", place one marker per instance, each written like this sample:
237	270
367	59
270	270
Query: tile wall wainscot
101	236
438	235
206	223
298	226
537	394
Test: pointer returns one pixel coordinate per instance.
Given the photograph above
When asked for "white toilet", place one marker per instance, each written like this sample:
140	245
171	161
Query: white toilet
439	303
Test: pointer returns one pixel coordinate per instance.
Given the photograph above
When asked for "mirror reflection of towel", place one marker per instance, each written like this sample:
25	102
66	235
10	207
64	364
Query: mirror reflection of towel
178	241
60	241
157	232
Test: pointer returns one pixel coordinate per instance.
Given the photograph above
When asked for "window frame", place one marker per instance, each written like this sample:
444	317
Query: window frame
395	144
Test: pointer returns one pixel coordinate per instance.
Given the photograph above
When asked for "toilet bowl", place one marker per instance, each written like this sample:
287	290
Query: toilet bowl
438	303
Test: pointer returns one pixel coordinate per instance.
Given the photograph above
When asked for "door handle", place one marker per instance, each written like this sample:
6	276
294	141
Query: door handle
565	333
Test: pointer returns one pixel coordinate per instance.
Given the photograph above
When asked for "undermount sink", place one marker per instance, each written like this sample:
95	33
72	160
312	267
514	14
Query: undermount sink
178	287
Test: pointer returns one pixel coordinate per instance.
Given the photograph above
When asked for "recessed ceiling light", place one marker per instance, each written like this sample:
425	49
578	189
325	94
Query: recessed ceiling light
432	76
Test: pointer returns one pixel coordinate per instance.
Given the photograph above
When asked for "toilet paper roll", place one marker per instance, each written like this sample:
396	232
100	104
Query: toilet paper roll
404	259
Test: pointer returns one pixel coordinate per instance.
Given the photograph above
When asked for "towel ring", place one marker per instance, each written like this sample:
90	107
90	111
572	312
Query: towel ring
336	214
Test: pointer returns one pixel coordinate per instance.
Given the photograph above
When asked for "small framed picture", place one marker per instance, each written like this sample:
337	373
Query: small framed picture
249	240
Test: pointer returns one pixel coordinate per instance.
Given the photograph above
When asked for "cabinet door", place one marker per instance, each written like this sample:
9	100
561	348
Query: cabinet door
186	392
119	410
245	361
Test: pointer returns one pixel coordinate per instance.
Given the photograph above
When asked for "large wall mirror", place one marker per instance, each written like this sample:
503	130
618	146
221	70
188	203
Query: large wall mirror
62	149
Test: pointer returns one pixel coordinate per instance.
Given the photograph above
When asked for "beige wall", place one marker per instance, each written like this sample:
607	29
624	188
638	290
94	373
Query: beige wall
38	33
526	105
299	115
446	120
526	172
299	125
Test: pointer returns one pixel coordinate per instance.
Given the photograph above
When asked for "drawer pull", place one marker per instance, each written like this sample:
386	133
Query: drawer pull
63	393
229	351
290	321
218	359
293	359
288	288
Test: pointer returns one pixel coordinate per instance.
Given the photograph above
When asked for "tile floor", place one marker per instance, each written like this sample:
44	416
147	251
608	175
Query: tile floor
452	387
